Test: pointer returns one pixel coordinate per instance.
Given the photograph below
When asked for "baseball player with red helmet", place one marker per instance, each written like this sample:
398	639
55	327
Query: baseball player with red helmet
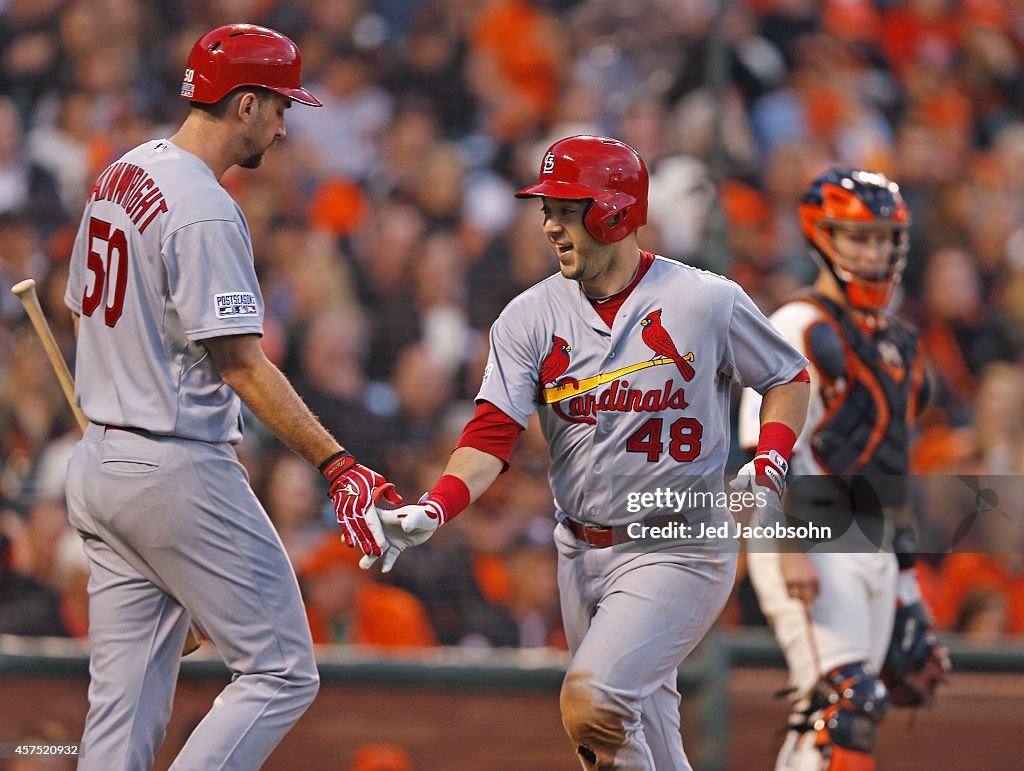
832	609
169	314
629	358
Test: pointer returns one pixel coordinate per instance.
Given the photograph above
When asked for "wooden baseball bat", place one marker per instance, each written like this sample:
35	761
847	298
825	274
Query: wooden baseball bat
26	292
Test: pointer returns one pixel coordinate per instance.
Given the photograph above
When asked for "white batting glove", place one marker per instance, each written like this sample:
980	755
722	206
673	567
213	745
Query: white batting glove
402	528
765	476
372	523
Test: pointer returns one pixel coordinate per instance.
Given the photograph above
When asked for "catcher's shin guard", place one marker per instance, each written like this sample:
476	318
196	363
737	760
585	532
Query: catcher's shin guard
848	704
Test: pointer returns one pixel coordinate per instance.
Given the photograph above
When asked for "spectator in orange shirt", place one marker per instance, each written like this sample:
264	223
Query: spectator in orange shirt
967	577
983	616
345	605
515	67
520	583
381	757
989	539
918	29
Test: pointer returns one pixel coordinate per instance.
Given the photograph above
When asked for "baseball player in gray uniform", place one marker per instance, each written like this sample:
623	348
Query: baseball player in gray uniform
630	358
169	314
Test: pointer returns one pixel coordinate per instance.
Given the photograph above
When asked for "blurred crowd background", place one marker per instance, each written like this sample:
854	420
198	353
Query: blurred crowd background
387	239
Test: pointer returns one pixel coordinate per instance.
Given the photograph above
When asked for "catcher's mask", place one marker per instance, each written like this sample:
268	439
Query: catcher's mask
606	171
856	224
244	55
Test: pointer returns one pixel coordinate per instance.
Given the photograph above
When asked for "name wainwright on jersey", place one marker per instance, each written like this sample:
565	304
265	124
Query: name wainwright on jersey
131	188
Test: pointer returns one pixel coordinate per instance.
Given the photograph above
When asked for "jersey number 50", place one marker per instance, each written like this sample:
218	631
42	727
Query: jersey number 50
683	439
112	266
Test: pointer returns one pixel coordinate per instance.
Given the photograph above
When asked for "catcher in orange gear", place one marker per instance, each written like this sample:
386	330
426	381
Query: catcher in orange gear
844	613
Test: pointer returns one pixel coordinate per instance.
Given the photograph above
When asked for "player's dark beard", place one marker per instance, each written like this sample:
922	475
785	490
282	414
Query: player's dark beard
253	161
588	264
573	272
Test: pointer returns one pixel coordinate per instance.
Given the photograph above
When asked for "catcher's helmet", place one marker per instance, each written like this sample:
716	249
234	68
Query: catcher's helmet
244	55
606	171
863	201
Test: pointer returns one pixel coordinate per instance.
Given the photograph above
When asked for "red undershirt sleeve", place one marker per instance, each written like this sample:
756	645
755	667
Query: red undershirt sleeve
492	431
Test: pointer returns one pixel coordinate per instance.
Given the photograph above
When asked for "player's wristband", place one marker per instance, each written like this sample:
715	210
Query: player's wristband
904	543
451	495
776	436
336	465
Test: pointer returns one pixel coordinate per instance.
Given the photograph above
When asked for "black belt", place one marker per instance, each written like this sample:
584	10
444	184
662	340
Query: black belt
129	429
603	536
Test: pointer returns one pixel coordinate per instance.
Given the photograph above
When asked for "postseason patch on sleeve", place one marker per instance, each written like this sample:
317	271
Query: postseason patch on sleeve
232	304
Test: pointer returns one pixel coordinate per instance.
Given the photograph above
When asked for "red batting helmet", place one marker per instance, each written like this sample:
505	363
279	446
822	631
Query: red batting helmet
863	201
606	171
244	55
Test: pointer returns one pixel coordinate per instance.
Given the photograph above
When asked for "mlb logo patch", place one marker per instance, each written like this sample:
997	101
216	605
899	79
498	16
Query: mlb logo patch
232	304
188	88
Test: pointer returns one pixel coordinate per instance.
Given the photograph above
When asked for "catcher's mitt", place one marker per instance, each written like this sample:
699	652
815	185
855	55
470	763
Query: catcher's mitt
916	663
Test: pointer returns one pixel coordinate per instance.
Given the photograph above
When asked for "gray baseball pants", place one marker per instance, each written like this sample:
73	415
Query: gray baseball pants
174	531
630	620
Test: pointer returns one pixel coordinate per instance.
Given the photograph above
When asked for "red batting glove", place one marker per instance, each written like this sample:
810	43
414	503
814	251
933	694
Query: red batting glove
353	489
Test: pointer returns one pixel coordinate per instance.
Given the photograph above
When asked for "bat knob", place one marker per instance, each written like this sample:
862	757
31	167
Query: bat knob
24	286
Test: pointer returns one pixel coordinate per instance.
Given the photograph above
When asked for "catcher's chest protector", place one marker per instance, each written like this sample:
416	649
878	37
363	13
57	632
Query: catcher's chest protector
866	424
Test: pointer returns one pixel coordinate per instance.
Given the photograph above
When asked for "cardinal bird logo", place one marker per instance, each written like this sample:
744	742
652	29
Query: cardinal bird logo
556	362
657	338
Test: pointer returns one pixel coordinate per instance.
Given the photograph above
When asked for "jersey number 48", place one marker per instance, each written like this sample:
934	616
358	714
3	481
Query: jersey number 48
683	439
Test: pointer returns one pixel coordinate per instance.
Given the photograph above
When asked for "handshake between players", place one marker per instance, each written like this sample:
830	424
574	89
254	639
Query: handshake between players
383	534
355	491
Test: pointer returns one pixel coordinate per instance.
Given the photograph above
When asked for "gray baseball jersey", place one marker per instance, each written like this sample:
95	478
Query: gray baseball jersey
162	261
649	397
172	530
